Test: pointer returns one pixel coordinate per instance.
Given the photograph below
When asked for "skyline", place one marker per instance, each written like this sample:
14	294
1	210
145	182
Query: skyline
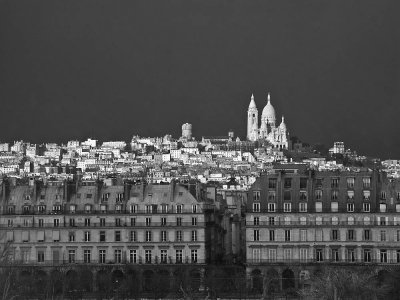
332	70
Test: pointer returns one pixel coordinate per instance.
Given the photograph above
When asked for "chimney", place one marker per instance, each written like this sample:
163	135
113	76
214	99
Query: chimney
171	190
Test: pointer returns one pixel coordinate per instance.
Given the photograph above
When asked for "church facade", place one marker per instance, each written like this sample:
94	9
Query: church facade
278	136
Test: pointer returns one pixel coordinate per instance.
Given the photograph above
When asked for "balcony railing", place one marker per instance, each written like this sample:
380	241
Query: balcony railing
313	223
323	261
92	262
109	224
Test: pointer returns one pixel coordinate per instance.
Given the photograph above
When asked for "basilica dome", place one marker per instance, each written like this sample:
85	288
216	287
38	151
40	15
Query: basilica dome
268	113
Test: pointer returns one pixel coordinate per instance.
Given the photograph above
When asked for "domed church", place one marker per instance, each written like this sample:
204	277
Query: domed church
278	136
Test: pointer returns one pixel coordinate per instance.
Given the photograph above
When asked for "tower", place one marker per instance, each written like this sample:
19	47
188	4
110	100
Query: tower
187	131
252	121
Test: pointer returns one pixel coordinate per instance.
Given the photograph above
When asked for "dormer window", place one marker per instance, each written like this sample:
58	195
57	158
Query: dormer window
26	209
149	209
179	208
42	209
56	208
105	197
27	197
11	209
133	208
120	197
88	208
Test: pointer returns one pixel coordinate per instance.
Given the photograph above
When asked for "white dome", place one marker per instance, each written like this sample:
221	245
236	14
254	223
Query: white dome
268	113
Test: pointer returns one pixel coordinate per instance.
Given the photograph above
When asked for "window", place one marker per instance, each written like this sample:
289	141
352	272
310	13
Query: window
271	254
179	221
256	235
383	235
383	195
118	208
350	235
71	256
366	207
318	194
367	235
271	220
41	222
105	197
397	239
120	197
179	209
194	235
256	221
163	221
148	236
87	236
303	207
194	208
26	209
87	222
271	207
10	222
133	209
319	235
382	207
86	256
178	256
287	254
133	222
383	256
350	182
132	236
256	195
78	196
256	207
287	235
287	195
118	256
102	256
72	209
382	221
40	256
367	255
272	235
272	183
88	196
287	207
334	235
117	236
334	182
303	235
148	221
303	254
56	222
350	207
163	236
351	255
147	256
318	206
319	255
398	256
366	195
193	254
42	208
88	208
366	182
287	183
117	222
102	222
334	195
103	208
303	221
164	256
271	195
132	256
335	254
71	236
303	183
102	236
164	208
179	236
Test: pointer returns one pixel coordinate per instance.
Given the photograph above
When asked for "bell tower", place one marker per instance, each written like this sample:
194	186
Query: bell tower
252	121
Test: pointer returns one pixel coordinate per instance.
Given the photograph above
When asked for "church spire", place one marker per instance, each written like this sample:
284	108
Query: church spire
269	97
252	102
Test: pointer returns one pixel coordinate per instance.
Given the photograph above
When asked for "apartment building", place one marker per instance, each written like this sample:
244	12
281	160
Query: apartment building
298	220
91	227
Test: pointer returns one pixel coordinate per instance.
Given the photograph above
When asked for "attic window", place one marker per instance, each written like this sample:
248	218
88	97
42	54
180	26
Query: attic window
27	197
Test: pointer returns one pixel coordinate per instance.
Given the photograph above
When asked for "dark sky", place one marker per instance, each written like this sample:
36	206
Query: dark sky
111	69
